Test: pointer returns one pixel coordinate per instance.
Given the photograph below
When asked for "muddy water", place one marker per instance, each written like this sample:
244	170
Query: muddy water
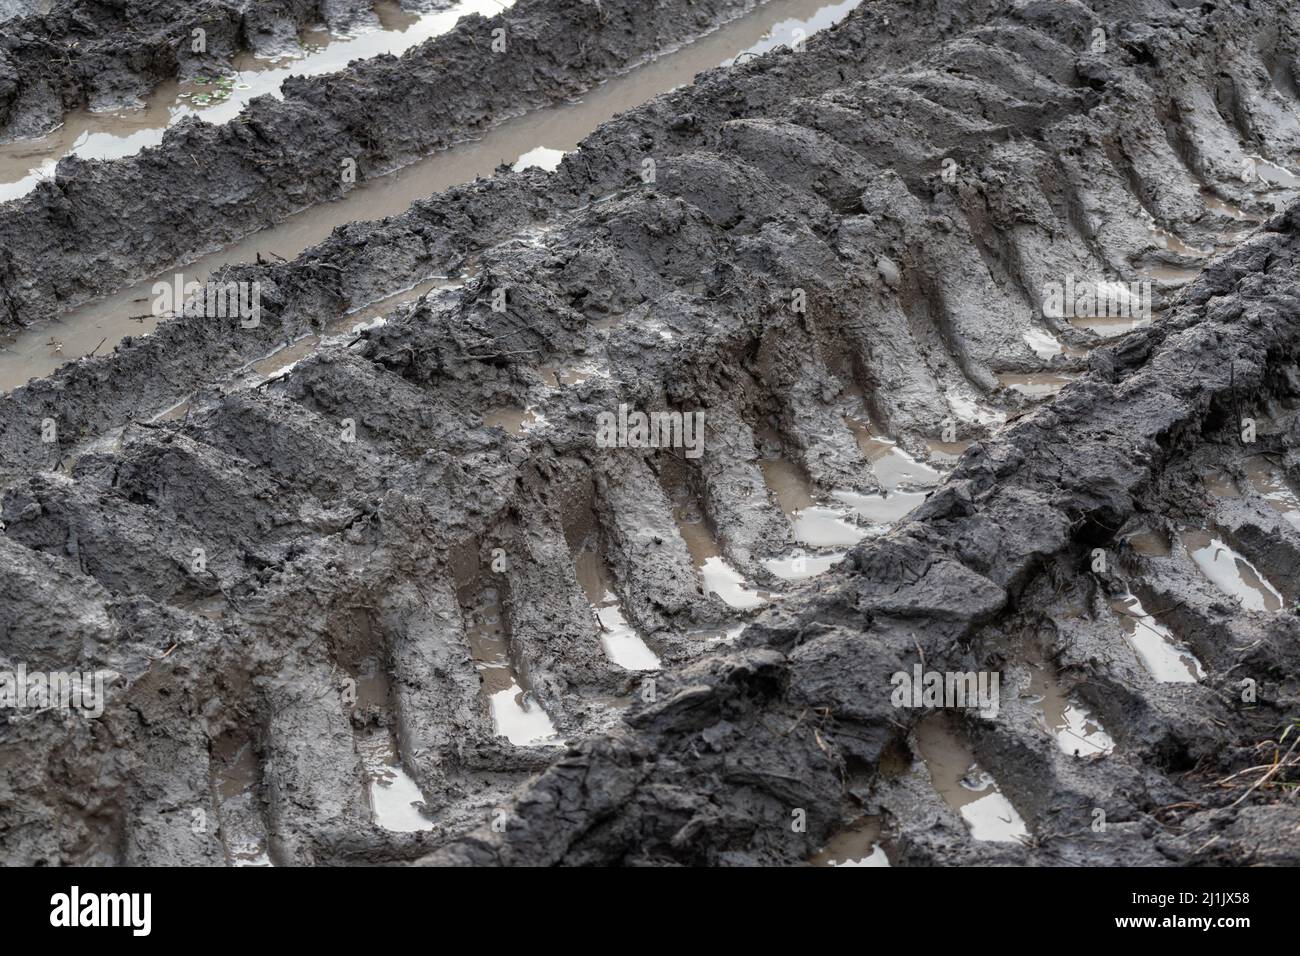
1165	657
1076	731
893	467
235	777
393	796
622	644
801	565
718	576
515	715
1164	239
1109	326
966	788
814	525
1270	483
1229	209
898	473
513	420
561	376
114	134
1047	346
1151	544
1220	484
1036	384
967	408
946	453
105	322
1166	274
1271	172
857	846
797	27
819	527
1231	573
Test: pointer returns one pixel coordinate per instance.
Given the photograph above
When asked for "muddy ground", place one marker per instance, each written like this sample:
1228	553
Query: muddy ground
327	134
397	557
61	55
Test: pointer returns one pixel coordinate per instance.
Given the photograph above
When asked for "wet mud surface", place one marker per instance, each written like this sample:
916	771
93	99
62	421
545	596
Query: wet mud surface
373	591
60	55
207	184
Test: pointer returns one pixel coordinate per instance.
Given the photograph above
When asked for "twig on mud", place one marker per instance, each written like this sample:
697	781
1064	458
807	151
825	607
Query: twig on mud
1173	607
96	348
467	355
1207	844
1273	769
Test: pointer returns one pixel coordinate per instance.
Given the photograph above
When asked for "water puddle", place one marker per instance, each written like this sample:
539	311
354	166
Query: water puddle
800	565
513	420
814	525
1165	657
894	468
1270	483
622	644
1036	384
1151	544
857	846
115	134
946	453
1044	344
235	778
1272	173
968	409
515	715
898	473
1162	238
1109	326
881	511
1076	732
818	527
570	375
718	575
1166	274
965	787
542	157
1220	484
393	796
1229	209
103	323
793	31
1231	573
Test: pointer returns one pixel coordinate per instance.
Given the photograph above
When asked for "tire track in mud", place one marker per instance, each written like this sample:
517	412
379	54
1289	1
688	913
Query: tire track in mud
98	326
326	133
1000	555
117	133
58	57
88	400
332	504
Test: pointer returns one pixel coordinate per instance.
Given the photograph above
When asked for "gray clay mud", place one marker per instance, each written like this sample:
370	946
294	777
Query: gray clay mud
371	581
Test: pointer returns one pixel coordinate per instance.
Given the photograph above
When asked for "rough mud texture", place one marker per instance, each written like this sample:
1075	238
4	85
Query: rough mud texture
74	54
351	512
206	185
